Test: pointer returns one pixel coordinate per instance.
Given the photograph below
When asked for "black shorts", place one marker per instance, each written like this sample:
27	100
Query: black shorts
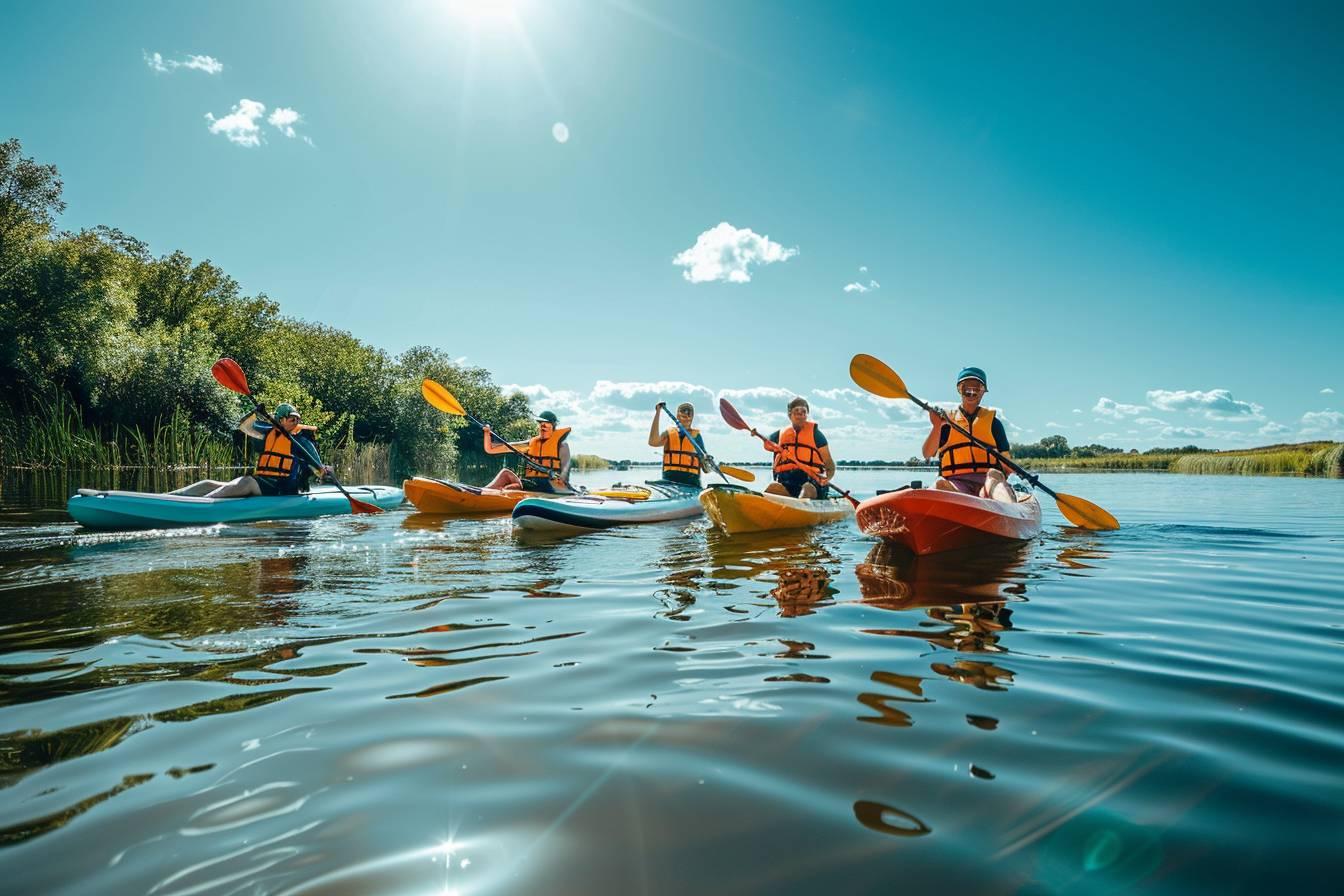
682	477
794	480
272	487
537	484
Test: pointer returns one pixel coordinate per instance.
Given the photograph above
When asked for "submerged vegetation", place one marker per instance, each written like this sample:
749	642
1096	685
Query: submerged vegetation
105	355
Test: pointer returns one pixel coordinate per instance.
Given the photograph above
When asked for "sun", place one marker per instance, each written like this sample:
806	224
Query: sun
485	13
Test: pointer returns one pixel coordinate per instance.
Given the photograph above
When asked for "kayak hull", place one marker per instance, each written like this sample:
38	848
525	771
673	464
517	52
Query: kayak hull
441	496
929	521
590	513
736	510
147	510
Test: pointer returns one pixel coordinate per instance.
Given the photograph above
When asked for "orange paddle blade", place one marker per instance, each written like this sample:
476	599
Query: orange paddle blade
358	506
229	375
441	398
873	376
1084	513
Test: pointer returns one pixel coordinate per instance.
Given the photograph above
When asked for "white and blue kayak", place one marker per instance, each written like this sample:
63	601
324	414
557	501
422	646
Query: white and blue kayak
653	502
149	510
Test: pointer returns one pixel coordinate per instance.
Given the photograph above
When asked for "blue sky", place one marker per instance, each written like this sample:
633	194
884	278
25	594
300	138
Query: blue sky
1128	214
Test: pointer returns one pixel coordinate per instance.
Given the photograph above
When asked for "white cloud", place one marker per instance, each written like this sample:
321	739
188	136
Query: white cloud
643	396
725	253
1182	432
1115	410
1323	423
1215	404
863	269
283	120
859	287
208	64
1150	421
1274	429
1327	391
1077	410
240	125
560	131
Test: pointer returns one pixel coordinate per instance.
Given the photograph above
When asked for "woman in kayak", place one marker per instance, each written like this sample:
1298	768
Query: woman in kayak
963	466
803	463
547	450
681	462
283	467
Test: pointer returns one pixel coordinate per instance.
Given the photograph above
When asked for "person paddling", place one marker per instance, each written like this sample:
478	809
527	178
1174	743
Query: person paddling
282	468
547	449
803	464
962	466
681	462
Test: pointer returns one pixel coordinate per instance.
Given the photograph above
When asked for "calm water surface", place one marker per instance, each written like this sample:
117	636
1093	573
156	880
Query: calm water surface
408	704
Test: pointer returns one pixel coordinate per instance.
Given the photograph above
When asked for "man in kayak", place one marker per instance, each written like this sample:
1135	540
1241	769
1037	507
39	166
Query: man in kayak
681	462
963	466
803	463
547	450
283	468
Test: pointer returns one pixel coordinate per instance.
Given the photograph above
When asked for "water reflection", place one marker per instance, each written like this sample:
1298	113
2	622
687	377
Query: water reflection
896	579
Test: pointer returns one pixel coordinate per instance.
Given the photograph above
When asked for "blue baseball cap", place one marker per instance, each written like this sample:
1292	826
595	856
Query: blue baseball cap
972	373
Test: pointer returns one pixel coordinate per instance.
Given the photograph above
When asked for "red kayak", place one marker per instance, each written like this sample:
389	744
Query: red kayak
928	520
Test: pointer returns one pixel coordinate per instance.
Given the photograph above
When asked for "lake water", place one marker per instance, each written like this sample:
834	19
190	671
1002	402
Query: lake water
407	704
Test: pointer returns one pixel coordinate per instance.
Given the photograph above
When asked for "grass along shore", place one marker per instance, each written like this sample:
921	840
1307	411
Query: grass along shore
1325	459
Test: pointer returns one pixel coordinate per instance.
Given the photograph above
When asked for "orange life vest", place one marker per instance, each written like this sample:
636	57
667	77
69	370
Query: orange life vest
545	453
277	455
800	450
679	455
958	456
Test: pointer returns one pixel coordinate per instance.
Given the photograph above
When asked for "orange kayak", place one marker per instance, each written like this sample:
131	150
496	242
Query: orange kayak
928	520
441	496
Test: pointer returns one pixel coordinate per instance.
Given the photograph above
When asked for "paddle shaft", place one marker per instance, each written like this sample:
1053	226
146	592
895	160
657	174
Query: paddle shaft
307	452
788	452
687	436
1006	461
527	460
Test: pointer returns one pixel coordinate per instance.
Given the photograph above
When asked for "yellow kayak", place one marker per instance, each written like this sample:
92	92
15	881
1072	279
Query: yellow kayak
441	496
734	509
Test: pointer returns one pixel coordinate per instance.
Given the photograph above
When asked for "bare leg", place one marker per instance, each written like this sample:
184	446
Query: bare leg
505	478
808	491
242	487
944	485
997	487
198	489
775	488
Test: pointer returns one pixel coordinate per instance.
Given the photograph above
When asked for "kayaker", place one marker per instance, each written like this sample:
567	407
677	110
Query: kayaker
547	449
282	468
681	462
803	464
963	466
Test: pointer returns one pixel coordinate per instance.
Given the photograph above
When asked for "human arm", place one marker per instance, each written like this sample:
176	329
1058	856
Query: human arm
937	433
250	427
656	436
564	462
825	452
495	445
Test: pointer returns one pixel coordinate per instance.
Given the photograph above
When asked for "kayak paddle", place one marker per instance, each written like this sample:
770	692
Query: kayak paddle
230	375
734	419
873	376
721	469
441	398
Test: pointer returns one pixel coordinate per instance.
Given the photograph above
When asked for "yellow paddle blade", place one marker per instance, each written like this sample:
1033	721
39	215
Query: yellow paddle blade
737	473
873	376
441	398
1084	513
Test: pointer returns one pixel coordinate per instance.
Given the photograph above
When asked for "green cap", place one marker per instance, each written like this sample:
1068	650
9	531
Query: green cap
285	409
972	373
548	417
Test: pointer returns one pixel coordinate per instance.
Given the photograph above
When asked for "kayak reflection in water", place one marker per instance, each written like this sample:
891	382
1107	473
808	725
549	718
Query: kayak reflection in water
283	467
548	453
681	462
963	466
803	463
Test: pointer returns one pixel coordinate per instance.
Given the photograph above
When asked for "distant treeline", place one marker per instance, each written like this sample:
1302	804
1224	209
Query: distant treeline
1301	459
105	355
